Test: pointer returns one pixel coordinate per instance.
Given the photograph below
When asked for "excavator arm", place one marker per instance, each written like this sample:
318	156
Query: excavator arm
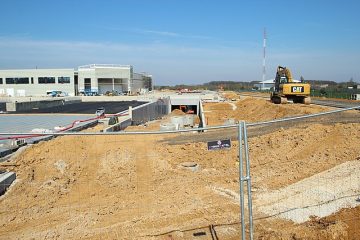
285	72
288	75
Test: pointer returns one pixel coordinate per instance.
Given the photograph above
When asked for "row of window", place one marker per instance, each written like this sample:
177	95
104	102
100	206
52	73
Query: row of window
41	80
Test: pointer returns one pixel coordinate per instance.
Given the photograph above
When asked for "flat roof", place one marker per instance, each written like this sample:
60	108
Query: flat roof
38	69
104	66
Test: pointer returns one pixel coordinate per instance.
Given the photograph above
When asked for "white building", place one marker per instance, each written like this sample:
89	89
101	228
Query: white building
268	84
89	79
36	82
96	78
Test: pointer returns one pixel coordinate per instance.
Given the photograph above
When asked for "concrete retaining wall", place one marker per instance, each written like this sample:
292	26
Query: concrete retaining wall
24	106
119	126
6	180
4	151
150	111
202	116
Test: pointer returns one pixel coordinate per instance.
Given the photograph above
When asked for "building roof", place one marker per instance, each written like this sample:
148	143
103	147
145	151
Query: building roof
267	81
104	66
36	69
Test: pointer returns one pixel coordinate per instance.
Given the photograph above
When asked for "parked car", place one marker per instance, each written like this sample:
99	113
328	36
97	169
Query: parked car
55	93
88	92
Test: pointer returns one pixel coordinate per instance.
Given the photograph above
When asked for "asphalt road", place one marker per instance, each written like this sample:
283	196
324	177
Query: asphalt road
232	133
87	107
335	103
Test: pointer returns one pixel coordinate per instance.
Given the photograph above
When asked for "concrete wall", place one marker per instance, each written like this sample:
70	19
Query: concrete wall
34	88
6	179
141	83
87	73
119	126
202	116
193	100
103	71
138	83
23	106
150	111
130	82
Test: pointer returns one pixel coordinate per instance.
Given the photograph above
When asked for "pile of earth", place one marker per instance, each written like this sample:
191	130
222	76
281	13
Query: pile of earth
251	109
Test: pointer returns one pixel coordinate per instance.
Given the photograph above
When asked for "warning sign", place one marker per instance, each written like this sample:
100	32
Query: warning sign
219	144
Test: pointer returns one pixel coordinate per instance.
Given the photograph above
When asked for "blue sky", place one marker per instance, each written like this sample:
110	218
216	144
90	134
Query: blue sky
184	41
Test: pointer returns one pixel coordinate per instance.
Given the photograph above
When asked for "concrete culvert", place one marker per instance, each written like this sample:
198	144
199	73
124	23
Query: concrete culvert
167	127
193	166
189	120
178	121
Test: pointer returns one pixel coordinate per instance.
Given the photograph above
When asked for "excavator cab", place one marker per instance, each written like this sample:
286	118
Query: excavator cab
283	80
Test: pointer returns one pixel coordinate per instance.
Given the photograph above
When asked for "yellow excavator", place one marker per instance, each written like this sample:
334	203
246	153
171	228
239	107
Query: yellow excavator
286	89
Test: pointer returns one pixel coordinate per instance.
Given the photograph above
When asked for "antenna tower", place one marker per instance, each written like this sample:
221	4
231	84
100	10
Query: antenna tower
264	55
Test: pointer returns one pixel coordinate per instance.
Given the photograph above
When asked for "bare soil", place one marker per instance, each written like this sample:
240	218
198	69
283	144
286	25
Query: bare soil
135	187
251	109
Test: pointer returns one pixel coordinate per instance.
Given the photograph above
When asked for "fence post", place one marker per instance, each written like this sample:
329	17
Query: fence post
130	112
248	180
242	208
243	143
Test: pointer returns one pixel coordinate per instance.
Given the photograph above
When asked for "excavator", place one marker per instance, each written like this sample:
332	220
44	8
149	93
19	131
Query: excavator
286	89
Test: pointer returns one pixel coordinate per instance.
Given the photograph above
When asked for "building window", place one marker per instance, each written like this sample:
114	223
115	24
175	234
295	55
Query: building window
17	80
46	80
1	82
63	80
32	80
87	83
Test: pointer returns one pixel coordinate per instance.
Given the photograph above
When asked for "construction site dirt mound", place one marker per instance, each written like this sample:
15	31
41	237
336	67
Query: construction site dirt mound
177	112
231	95
252	109
136	186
